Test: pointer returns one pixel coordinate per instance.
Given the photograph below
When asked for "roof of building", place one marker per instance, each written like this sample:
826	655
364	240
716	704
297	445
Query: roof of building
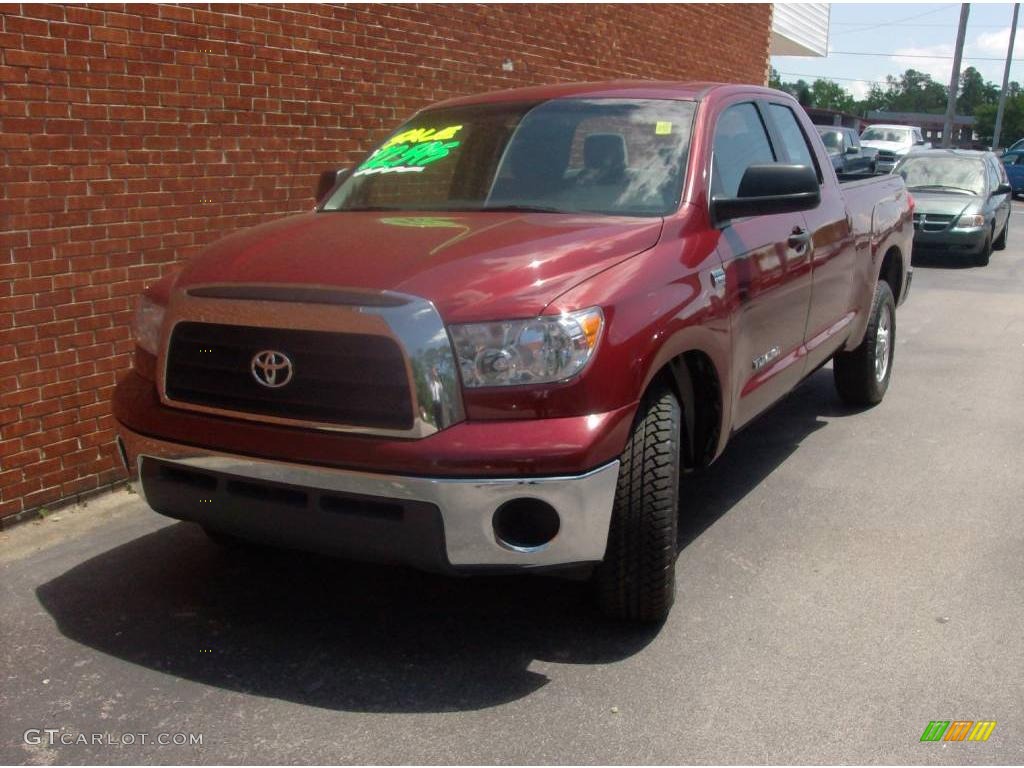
916	118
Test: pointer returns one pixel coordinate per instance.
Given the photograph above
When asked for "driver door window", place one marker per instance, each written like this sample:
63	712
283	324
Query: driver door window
741	141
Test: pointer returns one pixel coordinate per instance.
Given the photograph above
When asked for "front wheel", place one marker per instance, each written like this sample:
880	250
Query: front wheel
1000	243
636	581
862	374
986	250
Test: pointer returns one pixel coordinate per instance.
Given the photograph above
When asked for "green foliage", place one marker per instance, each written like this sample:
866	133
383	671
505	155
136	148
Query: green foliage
975	91
915	91
800	91
827	94
1013	120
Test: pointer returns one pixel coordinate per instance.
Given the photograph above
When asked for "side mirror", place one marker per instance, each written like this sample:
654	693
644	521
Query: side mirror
1003	189
328	181
852	150
769	189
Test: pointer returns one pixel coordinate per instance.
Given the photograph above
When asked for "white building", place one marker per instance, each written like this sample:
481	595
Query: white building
800	29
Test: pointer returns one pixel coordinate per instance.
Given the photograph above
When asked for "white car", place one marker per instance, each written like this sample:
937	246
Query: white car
893	143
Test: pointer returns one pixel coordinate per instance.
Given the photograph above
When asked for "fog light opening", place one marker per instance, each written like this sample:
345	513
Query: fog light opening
525	525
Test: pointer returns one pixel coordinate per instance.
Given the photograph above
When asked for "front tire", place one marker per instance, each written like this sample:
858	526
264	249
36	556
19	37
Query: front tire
636	581
1000	243
986	250
862	375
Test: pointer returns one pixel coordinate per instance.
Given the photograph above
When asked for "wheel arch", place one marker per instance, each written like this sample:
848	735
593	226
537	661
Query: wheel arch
892	271
695	379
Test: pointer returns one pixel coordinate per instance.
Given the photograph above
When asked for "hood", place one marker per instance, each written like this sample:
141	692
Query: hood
944	203
898	147
473	266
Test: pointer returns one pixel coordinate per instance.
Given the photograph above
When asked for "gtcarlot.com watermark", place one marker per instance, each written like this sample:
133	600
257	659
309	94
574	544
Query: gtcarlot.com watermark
52	737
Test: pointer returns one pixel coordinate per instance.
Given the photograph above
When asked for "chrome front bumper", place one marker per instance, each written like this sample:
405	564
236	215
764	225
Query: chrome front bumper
466	505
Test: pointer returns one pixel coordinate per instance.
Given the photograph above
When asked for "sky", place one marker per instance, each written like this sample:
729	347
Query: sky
923	33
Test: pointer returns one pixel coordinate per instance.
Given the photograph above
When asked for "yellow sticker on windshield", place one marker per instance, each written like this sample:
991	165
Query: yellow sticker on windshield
663	128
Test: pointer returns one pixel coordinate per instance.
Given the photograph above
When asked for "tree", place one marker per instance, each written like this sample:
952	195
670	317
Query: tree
800	91
915	91
974	91
1013	120
774	81
877	98
825	94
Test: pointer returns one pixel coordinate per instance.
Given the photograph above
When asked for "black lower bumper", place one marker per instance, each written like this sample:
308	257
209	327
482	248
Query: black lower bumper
348	525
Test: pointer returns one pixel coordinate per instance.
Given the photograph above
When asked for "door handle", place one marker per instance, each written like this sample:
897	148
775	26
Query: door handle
799	238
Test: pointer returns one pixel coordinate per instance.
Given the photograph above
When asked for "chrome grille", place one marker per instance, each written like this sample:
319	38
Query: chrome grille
932	222
338	378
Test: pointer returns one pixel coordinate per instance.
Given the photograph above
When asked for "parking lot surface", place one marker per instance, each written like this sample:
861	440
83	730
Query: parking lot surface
845	578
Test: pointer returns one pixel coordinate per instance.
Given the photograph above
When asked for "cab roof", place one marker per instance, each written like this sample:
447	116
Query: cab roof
635	89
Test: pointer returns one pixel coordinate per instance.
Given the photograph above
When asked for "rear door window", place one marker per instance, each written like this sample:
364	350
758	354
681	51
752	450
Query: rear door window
793	140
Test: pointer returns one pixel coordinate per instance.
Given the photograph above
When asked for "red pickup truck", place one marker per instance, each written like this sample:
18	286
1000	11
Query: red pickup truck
503	339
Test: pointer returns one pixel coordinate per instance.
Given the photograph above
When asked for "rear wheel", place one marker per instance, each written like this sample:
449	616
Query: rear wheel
636	581
862	374
1000	243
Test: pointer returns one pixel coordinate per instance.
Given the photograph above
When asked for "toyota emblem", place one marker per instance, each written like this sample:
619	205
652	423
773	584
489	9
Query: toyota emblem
271	368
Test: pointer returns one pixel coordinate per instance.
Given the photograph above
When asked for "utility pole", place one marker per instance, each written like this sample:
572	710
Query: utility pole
954	80
1006	81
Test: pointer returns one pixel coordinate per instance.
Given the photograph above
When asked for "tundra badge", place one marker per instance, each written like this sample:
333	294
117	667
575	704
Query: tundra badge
762	360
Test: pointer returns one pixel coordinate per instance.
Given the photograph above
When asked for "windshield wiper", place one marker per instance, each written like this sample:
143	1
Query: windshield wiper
520	208
943	186
363	208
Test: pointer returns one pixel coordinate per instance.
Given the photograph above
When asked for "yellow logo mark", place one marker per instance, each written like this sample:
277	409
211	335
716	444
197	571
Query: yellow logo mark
982	730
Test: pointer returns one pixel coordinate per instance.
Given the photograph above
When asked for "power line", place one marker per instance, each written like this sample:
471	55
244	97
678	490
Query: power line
894	24
895	55
897	21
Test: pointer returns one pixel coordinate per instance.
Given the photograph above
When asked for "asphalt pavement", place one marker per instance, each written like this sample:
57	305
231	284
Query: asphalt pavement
845	578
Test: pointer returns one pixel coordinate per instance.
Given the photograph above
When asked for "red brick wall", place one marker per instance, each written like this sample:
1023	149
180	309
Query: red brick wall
131	135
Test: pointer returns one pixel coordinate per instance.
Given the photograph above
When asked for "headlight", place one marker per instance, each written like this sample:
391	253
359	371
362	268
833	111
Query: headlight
537	351
149	318
970	221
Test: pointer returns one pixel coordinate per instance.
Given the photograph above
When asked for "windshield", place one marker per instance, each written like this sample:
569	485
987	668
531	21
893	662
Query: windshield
953	173
898	135
833	141
612	156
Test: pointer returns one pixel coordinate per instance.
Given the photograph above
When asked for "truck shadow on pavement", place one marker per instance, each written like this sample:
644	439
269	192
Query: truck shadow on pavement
944	260
346	636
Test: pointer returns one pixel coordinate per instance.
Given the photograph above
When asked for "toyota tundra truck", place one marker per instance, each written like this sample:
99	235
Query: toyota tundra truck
502	341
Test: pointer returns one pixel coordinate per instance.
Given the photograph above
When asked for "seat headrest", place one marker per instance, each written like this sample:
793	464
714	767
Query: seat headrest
604	151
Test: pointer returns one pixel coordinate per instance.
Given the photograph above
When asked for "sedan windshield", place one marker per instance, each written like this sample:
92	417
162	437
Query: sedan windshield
959	174
611	156
897	135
